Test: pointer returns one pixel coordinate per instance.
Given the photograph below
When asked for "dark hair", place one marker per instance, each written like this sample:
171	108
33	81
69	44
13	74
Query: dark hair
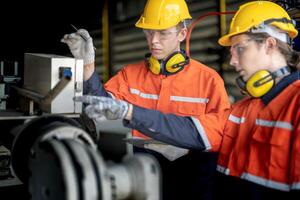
292	57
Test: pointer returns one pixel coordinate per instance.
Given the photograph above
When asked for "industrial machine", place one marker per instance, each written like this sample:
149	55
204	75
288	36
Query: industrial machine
52	82
50	147
59	160
9	75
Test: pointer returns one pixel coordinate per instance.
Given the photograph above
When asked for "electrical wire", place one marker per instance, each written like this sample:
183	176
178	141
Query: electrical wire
196	21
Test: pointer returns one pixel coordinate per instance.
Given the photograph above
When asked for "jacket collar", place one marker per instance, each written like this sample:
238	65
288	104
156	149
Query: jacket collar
285	82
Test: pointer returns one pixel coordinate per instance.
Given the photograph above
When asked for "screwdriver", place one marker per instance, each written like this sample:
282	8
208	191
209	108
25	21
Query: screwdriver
82	36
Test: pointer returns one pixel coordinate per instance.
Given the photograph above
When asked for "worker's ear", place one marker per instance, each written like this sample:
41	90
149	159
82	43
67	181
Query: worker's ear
182	34
270	44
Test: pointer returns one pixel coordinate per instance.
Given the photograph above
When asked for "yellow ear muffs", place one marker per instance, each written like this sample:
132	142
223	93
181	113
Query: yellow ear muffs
241	84
172	64
260	83
175	63
154	65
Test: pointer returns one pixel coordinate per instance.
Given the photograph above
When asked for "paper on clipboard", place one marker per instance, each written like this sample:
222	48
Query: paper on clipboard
140	142
169	151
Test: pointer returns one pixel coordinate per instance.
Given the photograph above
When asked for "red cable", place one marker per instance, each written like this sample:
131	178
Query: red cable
188	36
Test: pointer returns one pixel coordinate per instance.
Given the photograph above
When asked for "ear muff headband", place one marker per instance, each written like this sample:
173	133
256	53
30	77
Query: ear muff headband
241	84
261	82
172	64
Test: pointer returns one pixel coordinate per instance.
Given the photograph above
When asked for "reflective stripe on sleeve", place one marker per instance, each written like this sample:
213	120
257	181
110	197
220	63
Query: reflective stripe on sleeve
237	120
265	182
202	133
189	99
223	170
111	94
143	95
295	186
277	124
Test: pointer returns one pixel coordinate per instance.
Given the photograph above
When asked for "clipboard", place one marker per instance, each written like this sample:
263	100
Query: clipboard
140	142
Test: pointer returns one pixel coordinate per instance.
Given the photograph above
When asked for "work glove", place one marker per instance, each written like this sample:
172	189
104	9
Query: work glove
80	45
103	108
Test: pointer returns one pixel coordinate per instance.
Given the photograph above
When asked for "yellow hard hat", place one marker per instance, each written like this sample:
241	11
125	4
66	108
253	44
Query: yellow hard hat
253	14
163	14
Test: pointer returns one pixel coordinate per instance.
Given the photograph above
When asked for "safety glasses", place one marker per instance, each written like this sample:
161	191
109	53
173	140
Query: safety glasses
239	48
162	34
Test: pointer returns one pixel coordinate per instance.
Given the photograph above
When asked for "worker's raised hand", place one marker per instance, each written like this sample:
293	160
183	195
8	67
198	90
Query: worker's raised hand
81	45
103	108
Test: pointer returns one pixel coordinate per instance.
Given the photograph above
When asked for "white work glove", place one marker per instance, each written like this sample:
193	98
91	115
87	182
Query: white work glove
103	108
80	45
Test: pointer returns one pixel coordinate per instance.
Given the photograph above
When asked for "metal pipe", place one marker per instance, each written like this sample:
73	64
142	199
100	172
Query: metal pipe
48	98
105	41
222	17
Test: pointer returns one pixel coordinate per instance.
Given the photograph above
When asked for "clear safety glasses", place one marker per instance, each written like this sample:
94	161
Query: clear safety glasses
239	48
162	34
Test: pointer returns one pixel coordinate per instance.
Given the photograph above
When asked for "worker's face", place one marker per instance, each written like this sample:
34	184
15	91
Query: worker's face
247	56
164	42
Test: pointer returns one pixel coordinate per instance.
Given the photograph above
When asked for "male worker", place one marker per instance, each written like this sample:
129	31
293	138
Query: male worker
165	93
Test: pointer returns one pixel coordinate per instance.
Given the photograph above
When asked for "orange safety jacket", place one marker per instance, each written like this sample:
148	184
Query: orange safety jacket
261	142
194	91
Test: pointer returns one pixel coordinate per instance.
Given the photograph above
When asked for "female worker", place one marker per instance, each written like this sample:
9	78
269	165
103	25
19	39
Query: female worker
260	154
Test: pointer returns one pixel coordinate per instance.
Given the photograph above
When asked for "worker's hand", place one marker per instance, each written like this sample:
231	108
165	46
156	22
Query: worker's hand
103	108
81	45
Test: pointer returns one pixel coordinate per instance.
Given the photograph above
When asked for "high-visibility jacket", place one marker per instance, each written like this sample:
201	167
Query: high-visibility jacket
194	91
261	142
